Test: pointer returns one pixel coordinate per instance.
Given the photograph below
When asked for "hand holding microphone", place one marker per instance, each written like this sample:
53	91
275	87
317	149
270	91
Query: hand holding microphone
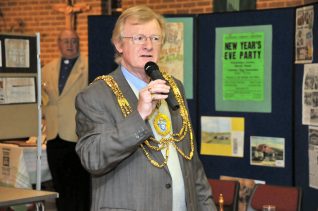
152	70
150	96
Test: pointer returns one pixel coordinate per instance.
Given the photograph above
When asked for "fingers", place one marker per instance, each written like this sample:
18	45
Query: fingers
158	89
150	95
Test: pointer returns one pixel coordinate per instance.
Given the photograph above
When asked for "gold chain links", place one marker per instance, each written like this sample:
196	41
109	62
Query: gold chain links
164	142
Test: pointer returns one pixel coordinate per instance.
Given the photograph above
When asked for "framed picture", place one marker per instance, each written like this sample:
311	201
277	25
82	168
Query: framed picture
18	54
267	151
233	5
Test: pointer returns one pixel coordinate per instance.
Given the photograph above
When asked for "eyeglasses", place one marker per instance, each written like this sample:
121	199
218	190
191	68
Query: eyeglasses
141	39
72	41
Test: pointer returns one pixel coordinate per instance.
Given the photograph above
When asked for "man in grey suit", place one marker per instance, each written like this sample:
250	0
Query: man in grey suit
141	153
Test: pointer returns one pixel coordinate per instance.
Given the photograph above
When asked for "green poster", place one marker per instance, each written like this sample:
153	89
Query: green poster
243	68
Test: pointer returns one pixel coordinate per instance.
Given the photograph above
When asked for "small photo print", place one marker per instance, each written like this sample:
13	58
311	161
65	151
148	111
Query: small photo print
267	151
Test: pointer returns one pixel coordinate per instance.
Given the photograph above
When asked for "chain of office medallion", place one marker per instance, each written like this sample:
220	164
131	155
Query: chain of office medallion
164	142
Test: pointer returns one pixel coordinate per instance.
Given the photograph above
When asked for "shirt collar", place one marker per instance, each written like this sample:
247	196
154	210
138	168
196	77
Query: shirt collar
68	61
137	82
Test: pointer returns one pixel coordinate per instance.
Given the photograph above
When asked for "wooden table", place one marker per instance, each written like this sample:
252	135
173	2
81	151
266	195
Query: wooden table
16	196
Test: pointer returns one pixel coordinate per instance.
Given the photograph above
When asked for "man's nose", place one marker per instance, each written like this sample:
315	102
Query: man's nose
148	43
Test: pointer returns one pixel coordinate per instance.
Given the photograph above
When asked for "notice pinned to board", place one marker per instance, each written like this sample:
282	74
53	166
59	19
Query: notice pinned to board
17	53
17	90
243	68
313	156
304	47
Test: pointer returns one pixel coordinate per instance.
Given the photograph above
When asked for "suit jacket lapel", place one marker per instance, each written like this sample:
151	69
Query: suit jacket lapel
55	77
125	88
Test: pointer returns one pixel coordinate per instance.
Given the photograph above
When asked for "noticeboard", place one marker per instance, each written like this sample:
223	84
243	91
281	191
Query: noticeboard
18	86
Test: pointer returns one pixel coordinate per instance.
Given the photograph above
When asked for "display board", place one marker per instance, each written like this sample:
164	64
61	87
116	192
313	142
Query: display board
18	86
281	117
277	123
301	131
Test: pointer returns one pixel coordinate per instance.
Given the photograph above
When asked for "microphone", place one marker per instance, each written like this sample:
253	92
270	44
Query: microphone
152	70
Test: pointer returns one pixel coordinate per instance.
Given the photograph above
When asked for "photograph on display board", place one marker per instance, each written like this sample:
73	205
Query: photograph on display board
222	136
267	151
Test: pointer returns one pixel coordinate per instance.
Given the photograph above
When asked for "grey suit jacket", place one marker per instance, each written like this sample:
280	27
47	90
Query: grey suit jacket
122	176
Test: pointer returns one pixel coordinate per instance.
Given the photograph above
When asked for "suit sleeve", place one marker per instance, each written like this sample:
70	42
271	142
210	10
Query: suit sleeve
106	137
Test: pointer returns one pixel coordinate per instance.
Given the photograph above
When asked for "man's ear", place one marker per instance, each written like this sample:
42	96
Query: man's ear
118	45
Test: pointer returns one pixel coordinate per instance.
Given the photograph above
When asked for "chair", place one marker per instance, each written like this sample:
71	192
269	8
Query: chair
284	198
230	191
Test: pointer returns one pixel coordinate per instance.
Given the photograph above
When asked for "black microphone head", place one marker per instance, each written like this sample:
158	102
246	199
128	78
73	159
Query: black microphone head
150	67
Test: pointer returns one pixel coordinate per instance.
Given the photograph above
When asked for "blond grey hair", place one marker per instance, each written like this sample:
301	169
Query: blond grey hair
140	14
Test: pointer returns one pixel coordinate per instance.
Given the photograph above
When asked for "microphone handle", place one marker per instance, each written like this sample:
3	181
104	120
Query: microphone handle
172	102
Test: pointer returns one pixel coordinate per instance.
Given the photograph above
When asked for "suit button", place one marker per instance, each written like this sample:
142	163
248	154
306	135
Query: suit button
168	185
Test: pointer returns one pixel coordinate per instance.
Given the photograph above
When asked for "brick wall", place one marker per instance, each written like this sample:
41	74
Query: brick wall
38	16
20	16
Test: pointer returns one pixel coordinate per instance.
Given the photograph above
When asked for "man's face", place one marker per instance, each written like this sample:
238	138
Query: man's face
134	55
68	45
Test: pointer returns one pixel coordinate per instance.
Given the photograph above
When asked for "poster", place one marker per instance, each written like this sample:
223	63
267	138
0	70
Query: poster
176	57
243	68
267	151
17	53
304	34
222	136
171	54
